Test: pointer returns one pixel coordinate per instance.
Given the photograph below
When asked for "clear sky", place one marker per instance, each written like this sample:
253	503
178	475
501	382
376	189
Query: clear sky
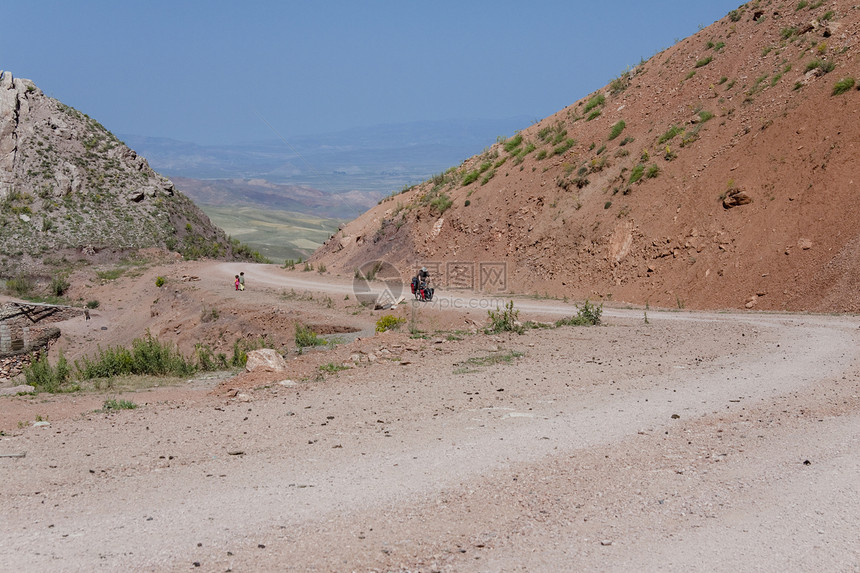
215	72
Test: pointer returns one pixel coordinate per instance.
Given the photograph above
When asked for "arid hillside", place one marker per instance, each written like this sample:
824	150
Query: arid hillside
70	191
720	173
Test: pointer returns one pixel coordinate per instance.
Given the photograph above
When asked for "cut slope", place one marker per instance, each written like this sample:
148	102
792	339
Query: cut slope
716	174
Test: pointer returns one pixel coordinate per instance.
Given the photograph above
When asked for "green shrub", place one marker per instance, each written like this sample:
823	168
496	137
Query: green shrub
159	282
563	147
825	66
787	33
637	173
331	368
115	404
20	286
593	115
305	337
59	286
704	61
504	320
594	102
843	86
619	84
110	275
389	322
45	378
208	361
514	142
93	304
147	356
705	115
587	315
441	203
652	171
470	177
670	133
616	129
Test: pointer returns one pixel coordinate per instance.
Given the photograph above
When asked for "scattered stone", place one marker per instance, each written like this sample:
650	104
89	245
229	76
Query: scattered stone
736	198
804	244
236	452
22	389
265	360
42	424
606	542
287	383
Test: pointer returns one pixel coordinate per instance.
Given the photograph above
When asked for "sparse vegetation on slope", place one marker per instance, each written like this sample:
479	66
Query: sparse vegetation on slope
553	211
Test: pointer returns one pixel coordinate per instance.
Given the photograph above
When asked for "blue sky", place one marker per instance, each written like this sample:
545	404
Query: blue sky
217	72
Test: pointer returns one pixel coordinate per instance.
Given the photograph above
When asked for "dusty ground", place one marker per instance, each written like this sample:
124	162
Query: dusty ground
717	442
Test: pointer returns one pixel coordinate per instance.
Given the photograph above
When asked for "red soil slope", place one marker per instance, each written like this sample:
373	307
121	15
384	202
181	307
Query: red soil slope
751	100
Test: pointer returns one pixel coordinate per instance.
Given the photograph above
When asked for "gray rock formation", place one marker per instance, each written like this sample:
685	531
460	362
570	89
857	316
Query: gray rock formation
67	182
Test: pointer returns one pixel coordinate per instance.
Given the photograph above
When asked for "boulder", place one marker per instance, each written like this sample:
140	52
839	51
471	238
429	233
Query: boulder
265	360
22	389
735	198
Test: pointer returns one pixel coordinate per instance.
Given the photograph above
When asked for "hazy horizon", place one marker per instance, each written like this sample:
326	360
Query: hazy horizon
216	73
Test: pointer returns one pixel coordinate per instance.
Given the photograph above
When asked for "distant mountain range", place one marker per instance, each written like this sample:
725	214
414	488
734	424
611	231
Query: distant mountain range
379	159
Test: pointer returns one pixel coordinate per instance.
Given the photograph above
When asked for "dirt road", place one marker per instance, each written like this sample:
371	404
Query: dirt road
716	442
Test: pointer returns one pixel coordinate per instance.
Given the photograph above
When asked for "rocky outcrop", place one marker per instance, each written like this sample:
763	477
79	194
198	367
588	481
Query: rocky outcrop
13	102
736	198
67	182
